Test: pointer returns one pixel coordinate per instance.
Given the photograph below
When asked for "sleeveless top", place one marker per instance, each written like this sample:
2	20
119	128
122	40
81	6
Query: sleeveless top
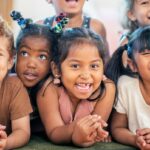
85	24
83	109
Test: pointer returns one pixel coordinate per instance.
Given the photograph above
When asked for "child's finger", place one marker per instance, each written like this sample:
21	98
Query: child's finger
103	123
102	133
148	141
141	141
90	120
94	127
107	139
93	135
147	137
3	135
146	147
144	131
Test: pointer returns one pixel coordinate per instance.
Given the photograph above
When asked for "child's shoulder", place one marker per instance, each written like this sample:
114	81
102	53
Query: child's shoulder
49	87
13	80
109	84
98	27
127	81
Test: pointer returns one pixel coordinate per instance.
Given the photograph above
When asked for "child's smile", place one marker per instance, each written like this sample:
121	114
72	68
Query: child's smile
84	87
84	74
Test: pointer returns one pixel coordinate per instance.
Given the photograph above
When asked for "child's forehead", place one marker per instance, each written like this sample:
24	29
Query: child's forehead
87	49
4	42
34	39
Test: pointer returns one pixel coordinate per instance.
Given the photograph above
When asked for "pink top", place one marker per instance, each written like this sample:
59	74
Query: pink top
84	108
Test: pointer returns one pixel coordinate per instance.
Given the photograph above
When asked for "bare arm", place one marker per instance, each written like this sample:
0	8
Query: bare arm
20	133
48	106
105	104
98	27
120	131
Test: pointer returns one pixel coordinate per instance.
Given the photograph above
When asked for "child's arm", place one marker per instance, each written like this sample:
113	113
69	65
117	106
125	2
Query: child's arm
105	103
3	139
98	27
48	106
20	133
120	131
56	130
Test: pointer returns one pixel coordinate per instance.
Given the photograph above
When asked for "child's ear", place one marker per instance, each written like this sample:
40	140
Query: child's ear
131	15
132	65
55	69
10	63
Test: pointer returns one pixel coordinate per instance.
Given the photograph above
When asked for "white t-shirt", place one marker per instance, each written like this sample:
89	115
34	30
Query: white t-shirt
131	102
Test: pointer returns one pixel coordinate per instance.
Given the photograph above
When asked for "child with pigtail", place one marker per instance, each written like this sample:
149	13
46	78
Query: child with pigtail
34	45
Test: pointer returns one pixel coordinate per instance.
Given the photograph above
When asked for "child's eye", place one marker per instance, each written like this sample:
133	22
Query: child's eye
75	66
144	2
43	57
146	53
24	53
95	66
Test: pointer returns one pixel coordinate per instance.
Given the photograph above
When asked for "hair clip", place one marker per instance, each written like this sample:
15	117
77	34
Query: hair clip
129	50
60	17
61	20
23	23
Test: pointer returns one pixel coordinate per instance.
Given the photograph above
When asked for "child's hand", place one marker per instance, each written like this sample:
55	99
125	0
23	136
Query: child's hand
101	133
108	139
143	138
140	141
3	139
85	133
144	132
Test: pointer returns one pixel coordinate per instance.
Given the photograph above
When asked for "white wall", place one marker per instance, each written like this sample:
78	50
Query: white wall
105	10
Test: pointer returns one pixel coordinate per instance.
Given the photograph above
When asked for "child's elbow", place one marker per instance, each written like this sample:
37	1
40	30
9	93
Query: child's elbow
26	136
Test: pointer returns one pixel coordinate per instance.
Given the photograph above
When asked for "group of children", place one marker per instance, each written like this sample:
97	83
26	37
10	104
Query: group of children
62	86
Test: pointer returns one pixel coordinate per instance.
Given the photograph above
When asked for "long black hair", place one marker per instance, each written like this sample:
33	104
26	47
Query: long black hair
139	41
76	36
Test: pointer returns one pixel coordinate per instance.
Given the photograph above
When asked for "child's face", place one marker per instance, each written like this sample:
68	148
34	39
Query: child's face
82	71
6	61
142	61
68	6
140	12
33	62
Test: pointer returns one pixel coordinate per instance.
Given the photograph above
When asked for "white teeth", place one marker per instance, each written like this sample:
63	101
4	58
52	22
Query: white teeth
83	86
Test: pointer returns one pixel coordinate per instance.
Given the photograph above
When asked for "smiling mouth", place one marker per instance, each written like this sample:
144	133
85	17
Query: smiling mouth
71	0
84	87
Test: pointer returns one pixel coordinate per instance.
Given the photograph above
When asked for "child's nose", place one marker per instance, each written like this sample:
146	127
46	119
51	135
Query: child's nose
85	75
31	63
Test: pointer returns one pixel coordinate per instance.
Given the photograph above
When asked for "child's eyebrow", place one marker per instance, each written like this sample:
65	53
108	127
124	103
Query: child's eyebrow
44	50
24	46
78	60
